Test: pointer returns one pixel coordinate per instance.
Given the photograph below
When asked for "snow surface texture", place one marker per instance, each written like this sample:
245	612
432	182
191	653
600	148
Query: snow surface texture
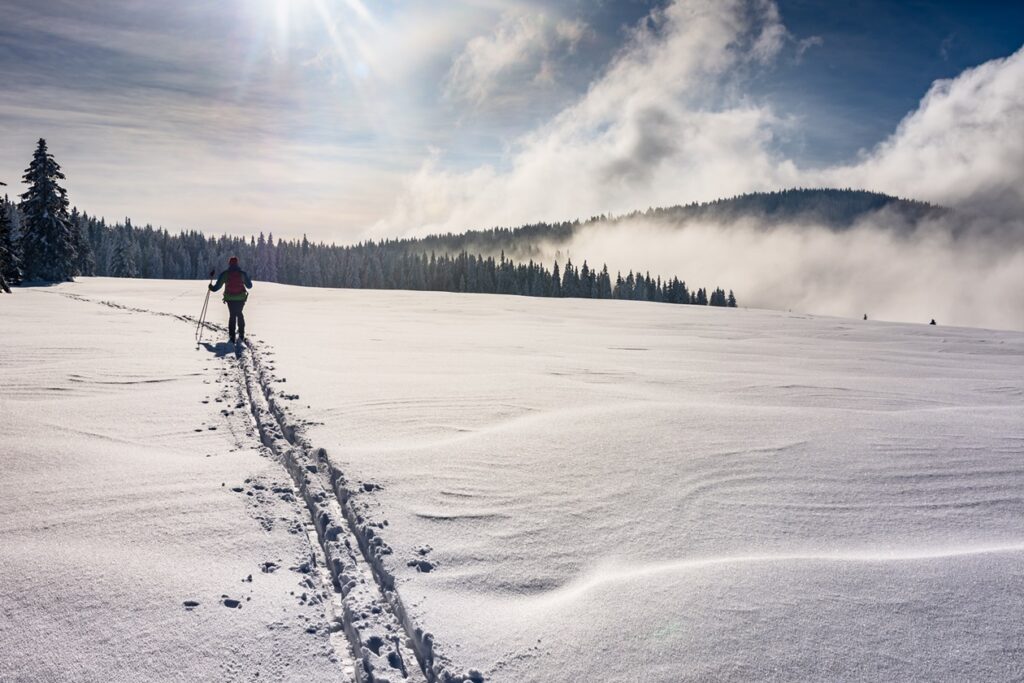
142	535
605	490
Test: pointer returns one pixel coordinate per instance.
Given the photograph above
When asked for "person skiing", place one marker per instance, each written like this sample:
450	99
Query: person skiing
235	282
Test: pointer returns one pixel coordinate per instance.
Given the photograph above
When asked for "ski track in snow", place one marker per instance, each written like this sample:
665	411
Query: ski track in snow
389	644
381	634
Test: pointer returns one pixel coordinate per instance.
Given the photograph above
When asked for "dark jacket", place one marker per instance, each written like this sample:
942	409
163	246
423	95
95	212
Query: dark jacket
223	278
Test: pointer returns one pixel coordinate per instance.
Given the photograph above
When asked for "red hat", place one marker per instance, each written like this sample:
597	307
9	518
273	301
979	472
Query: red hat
233	261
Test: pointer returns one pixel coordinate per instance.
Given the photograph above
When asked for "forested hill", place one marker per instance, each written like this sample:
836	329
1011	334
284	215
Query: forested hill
500	260
832	208
837	209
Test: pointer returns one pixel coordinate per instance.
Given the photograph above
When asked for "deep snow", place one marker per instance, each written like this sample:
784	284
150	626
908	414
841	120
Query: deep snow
607	490
130	488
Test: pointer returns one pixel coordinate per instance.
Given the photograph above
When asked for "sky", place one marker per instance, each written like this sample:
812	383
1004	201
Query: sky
347	119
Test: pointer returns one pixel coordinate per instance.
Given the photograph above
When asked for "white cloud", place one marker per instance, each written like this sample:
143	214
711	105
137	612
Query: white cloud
773	35
571	32
806	44
665	124
963	147
522	49
659	127
929	273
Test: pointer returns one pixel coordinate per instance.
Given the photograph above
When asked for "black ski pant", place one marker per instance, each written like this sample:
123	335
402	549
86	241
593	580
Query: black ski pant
235	317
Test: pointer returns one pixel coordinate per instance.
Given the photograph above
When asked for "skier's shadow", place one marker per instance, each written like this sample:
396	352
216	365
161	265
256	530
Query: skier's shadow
220	349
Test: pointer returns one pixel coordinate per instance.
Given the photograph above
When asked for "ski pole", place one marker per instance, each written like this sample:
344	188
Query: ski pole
202	316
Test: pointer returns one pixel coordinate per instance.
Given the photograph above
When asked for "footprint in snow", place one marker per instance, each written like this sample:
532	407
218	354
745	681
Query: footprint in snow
424	566
190	605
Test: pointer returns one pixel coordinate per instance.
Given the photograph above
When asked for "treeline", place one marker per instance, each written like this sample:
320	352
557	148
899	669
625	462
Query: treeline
124	250
79	244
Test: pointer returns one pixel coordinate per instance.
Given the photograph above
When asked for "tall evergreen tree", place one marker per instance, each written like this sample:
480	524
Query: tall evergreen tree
85	262
47	240
10	260
123	261
262	269
556	281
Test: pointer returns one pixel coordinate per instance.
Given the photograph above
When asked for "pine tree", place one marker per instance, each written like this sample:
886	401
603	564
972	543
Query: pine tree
262	269
154	264
123	262
10	260
85	262
271	275
47	239
604	289
731	301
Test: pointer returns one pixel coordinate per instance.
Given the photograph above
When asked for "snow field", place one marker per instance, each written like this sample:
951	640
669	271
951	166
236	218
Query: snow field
613	491
587	490
143	535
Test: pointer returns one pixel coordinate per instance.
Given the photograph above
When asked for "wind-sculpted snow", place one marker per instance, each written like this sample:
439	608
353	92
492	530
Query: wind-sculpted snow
650	572
384	638
142	536
604	490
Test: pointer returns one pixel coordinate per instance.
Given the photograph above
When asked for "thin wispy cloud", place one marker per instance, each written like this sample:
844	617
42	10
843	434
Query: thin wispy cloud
521	55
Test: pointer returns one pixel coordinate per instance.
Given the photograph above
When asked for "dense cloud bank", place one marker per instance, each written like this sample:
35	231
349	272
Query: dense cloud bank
668	123
956	272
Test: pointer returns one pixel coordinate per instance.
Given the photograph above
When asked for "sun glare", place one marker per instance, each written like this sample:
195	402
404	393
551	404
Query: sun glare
342	24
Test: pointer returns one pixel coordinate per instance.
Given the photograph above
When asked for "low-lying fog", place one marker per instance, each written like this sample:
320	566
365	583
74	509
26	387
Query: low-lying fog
972	276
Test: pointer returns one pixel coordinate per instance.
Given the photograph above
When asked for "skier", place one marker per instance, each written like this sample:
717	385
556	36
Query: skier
235	281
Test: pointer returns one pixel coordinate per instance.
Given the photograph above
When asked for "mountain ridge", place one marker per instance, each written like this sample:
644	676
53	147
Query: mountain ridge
837	209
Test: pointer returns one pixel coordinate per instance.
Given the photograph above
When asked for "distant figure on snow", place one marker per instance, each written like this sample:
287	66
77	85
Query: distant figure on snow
932	322
865	316
235	281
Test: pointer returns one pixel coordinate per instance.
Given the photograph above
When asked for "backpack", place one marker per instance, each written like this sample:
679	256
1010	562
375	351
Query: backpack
235	284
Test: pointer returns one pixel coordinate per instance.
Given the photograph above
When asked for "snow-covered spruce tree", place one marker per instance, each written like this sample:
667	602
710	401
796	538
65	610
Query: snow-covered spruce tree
262	265
123	261
47	240
10	260
85	262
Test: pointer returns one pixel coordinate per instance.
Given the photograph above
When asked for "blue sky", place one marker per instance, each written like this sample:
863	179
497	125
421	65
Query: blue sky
343	118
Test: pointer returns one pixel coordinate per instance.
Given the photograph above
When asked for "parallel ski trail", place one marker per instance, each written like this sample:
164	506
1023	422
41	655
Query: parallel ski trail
386	642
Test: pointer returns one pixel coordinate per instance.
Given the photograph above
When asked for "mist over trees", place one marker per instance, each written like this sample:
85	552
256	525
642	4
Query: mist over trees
388	264
836	209
124	250
41	240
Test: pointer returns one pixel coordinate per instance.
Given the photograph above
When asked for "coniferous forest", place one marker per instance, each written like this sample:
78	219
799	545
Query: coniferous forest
40	239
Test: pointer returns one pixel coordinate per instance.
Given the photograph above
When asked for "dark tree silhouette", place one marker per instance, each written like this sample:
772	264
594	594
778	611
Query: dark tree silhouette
47	240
